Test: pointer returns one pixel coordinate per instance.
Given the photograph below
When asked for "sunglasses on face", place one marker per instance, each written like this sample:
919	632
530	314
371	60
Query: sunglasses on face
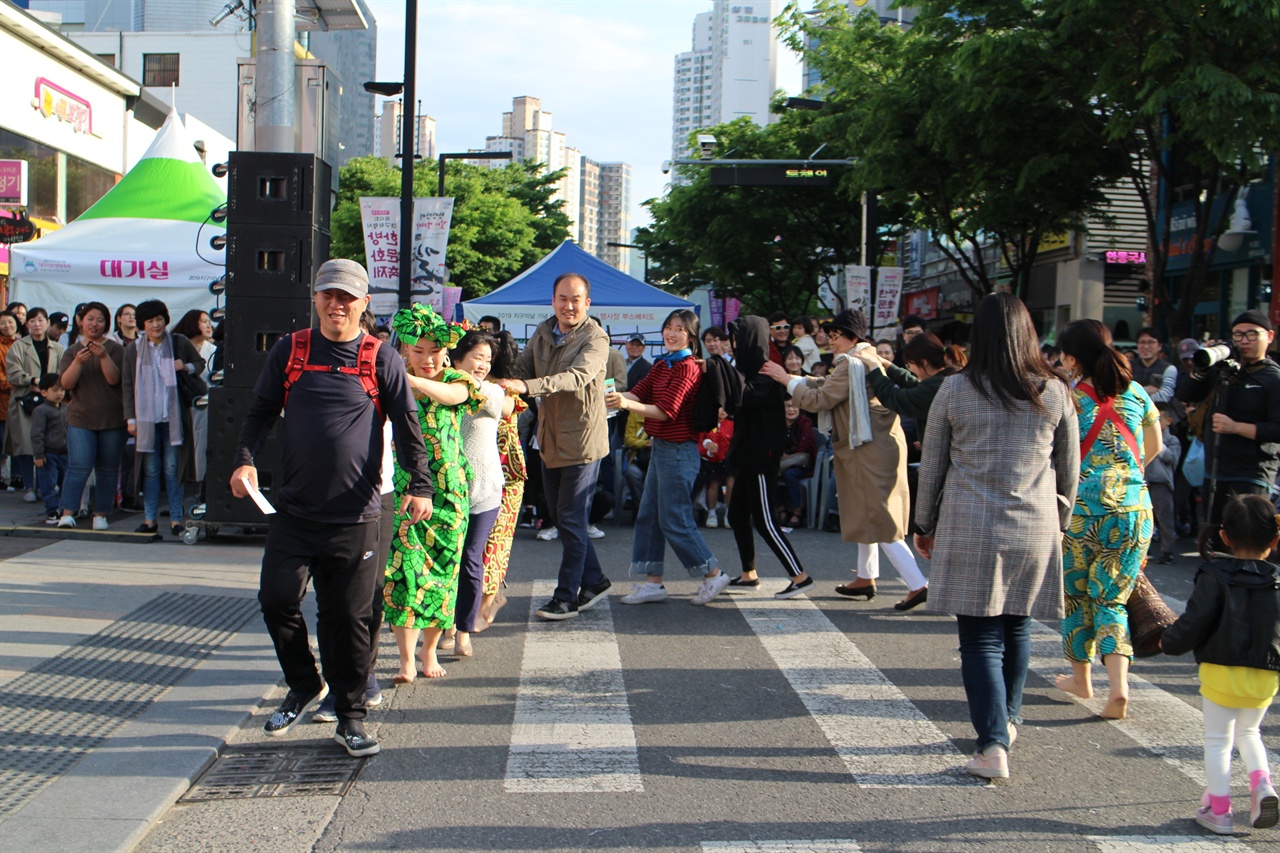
781	328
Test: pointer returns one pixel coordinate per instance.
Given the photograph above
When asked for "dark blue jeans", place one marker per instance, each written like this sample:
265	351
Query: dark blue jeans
167	454
568	491
995	652
97	450
471	569
49	477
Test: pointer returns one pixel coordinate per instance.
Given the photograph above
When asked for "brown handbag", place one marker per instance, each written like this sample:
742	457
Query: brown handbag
1149	616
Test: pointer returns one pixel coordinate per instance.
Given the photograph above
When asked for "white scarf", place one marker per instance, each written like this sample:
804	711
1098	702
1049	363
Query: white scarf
859	408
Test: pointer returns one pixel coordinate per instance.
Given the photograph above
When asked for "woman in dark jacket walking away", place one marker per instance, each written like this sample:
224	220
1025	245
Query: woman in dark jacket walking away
759	437
1232	621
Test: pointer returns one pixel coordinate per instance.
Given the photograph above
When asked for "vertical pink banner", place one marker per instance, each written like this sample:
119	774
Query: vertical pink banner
450	296
732	307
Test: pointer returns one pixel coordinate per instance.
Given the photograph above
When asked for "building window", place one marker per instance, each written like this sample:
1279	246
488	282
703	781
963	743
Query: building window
109	58
160	69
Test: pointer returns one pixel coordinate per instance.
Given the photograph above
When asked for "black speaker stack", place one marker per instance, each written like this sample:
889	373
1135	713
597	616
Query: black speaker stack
277	235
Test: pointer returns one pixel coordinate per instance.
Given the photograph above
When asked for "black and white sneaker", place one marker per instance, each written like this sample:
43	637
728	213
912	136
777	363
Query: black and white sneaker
555	610
741	581
793	589
290	709
589	595
357	742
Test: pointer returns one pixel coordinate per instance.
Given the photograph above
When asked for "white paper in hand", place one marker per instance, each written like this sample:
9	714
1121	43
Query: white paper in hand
258	497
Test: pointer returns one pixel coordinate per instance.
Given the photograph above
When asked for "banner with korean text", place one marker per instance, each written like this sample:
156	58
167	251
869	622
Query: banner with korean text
857	283
888	295
380	220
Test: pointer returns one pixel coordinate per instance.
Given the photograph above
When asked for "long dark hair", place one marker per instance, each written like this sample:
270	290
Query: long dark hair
690	322
1088	342
189	325
506	352
1005	364
925	348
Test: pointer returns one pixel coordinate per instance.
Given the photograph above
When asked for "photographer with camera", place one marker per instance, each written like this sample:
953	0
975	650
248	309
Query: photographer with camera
1239	387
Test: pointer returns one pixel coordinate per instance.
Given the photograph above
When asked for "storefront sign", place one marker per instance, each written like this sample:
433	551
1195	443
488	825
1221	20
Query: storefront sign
53	101
17	230
923	303
13	182
1126	257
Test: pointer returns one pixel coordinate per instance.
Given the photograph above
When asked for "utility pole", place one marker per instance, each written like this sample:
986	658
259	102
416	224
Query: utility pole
274	100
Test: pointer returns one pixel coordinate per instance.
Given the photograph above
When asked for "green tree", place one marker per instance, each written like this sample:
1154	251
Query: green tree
768	246
962	123
1191	91
504	220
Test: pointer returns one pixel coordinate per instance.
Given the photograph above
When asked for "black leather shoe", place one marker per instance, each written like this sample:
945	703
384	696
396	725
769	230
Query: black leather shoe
556	610
291	709
352	736
740	581
915	599
589	595
867	591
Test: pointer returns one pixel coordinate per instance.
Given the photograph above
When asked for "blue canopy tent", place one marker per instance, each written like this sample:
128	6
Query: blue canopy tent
625	305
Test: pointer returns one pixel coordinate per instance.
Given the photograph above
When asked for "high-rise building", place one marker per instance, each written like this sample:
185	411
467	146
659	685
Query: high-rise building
731	70
589	194
389	127
615	215
172	47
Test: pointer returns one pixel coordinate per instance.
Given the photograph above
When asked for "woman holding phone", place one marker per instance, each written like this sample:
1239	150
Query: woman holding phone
91	370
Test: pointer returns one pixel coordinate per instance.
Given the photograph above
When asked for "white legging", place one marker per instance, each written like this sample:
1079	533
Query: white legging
1220	724
899	554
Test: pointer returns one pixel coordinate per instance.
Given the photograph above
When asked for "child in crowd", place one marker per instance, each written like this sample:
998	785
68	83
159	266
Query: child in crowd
1160	485
49	444
1232	622
713	447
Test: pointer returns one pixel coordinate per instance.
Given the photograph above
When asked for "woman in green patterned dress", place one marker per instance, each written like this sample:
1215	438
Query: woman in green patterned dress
421	585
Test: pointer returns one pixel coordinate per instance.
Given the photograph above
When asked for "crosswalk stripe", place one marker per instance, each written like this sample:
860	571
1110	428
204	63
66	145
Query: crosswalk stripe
818	845
572	730
1162	843
882	737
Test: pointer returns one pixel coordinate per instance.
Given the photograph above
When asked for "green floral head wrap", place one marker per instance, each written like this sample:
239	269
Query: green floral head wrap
421	321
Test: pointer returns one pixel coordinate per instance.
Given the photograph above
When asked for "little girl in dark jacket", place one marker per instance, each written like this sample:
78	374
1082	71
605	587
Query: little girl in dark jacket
1232	621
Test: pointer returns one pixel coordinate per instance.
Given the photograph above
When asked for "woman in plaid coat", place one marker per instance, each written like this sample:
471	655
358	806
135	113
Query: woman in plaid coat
997	483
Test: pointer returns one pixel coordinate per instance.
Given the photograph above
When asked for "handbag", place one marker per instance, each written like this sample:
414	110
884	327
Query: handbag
29	401
1149	616
190	386
1193	464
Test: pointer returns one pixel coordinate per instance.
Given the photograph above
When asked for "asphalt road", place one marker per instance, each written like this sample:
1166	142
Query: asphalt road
819	724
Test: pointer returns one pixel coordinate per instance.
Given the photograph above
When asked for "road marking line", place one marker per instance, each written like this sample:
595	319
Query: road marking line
1160	843
882	737
819	845
572	730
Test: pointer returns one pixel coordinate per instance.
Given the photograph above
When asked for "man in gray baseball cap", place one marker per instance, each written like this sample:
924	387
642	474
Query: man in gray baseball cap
345	275
327	528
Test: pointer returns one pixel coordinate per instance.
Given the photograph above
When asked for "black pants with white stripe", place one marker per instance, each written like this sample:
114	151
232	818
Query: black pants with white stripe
750	502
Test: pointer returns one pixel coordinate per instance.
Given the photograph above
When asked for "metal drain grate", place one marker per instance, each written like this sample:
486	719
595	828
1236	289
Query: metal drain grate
283	771
63	707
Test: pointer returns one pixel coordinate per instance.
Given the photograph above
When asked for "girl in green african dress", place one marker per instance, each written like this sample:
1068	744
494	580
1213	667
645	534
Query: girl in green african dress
1111	524
421	584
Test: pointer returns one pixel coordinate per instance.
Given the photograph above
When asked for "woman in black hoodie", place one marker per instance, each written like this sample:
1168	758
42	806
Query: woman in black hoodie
759	438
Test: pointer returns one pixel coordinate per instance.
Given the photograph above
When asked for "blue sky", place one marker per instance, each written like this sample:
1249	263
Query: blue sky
602	67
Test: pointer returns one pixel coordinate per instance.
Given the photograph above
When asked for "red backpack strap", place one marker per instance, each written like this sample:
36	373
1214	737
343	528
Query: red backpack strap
367	365
1106	412
298	355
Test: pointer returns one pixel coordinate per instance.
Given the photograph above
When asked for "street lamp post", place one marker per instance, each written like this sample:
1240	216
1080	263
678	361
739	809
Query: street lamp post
470	155
642	249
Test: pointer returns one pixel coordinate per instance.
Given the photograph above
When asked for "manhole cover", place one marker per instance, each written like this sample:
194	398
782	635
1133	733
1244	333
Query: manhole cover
242	772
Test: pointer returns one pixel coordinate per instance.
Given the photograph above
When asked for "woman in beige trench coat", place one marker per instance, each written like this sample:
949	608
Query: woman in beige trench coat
871	477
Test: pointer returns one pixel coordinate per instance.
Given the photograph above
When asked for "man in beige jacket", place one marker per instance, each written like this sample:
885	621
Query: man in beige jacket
564	364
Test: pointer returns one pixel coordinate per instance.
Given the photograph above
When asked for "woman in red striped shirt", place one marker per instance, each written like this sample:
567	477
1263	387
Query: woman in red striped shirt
666	397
